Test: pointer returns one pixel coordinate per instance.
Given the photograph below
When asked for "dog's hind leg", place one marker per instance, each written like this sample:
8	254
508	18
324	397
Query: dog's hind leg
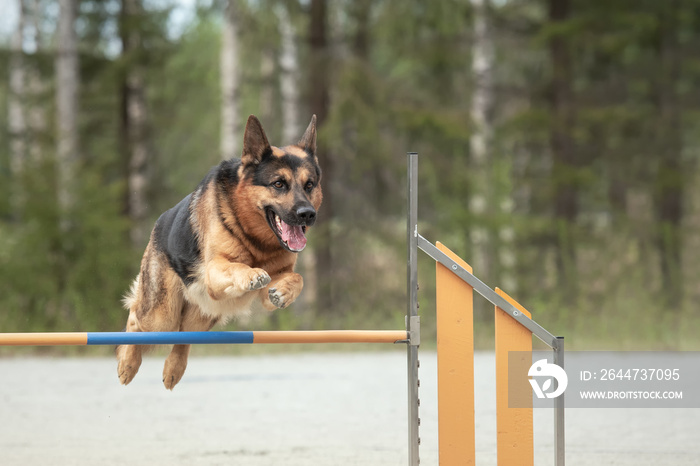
192	321
129	356
155	304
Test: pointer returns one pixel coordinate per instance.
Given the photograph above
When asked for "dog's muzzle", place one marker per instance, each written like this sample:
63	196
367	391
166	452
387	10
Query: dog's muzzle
306	215
291	231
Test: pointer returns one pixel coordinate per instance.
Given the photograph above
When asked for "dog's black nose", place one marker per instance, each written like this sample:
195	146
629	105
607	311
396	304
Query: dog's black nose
306	214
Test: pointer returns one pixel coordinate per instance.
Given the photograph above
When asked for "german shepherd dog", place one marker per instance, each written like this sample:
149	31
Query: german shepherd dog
227	248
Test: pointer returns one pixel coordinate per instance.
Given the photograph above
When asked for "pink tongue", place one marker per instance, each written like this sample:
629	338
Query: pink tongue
293	236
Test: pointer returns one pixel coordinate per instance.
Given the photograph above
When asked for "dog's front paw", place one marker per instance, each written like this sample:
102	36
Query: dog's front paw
284	292
257	279
278	298
247	280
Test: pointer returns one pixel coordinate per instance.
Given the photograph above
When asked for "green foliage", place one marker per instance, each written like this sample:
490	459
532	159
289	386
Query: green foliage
411	90
186	113
65	280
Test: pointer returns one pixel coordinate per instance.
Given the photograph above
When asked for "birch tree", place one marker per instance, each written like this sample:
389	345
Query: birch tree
135	123
36	85
267	90
16	112
230	82
288	66
66	64
480	140
289	76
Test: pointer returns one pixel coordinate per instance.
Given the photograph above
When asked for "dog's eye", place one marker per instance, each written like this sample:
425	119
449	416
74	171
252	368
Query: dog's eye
279	184
309	186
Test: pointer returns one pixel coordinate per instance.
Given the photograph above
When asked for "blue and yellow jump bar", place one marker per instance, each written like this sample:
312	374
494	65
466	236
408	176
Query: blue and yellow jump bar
207	338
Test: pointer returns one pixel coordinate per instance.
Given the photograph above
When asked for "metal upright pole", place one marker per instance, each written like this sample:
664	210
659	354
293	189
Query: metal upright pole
412	319
559	443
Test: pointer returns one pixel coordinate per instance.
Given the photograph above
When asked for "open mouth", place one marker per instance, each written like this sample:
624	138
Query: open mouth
292	237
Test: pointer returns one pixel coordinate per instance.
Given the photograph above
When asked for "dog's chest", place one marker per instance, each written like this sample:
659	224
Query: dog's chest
226	308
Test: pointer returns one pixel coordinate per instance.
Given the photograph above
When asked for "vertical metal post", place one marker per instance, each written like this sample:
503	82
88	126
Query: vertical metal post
559	448
412	322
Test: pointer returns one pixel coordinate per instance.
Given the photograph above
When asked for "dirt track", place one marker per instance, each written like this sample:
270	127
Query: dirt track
299	409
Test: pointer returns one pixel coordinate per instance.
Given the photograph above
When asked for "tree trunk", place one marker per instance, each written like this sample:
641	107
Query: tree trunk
565	164
360	11
17	115
230	120
66	64
289	95
27	117
319	99
135	116
289	77
36	86
480	142
267	89
617	188
669	177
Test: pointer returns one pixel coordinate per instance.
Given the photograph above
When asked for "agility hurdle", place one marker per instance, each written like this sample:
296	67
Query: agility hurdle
201	338
455	284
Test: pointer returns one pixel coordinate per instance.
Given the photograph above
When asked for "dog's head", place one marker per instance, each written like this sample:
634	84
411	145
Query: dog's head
284	184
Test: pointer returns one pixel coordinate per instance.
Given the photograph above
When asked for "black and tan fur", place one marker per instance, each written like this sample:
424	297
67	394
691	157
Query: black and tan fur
220	252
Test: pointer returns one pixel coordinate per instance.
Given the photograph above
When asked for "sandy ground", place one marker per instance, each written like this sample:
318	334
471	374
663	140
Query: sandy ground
296	409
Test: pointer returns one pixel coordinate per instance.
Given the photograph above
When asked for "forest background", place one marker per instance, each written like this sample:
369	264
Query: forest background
558	142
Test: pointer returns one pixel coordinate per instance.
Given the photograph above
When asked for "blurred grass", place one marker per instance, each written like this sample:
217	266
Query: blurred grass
623	312
637	329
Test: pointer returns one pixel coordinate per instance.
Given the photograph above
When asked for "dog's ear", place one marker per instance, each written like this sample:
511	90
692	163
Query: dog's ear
308	140
255	144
